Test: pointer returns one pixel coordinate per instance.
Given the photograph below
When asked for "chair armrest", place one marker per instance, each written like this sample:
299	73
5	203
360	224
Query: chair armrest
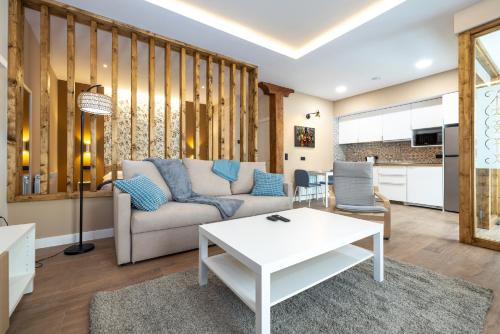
385	200
333	199
122	211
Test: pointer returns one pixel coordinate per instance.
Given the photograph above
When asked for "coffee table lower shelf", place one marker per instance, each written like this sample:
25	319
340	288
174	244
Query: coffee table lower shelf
289	281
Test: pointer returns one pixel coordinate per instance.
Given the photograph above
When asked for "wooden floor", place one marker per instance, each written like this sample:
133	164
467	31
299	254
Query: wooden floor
65	285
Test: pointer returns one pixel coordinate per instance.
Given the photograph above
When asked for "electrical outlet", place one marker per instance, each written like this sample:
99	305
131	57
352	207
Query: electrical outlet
286	156
303	158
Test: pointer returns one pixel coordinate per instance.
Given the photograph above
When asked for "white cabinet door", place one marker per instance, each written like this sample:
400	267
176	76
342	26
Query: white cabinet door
396	124
392	183
370	129
425	185
348	131
450	108
427	114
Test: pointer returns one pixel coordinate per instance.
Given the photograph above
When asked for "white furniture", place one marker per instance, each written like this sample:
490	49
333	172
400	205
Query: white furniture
450	108
425	185
348	130
267	262
427	114
19	242
326	174
392	183
370	128
397	124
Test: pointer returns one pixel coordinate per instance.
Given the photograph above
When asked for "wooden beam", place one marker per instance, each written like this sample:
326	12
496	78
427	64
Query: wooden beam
152	114
209	104
276	94
196	104
44	98
114	101
232	112
15	98
70	102
93	118
253	119
182	101
243	114
133	96
221	111
168	93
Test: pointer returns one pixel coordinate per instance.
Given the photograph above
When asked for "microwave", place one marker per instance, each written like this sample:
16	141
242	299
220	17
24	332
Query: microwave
428	137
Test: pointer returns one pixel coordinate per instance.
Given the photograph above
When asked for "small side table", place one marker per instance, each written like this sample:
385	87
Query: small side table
18	241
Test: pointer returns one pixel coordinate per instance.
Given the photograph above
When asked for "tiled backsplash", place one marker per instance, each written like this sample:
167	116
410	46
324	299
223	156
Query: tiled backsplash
391	152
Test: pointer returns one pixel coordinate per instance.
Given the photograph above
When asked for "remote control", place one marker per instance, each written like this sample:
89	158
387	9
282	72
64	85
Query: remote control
272	218
286	220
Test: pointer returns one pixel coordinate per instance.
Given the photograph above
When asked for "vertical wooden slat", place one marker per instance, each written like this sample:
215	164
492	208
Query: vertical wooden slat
253	116
196	104
114	101
15	94
70	103
133	96
152	115
168	93
232	112
222	119
182	101
209	106
243	114
44	97
93	118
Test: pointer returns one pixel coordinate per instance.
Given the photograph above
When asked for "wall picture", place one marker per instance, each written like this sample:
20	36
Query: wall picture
304	136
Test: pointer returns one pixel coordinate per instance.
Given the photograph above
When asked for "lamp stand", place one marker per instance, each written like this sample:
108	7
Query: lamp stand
80	247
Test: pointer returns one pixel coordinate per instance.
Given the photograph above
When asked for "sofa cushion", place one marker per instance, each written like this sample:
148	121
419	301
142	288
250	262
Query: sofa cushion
204	181
244	184
267	184
144	194
132	168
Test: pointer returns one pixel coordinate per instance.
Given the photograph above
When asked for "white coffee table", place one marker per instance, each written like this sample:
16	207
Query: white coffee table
267	262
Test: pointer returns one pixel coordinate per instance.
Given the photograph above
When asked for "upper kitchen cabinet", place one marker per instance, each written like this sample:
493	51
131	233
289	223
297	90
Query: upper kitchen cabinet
450	108
396	124
370	128
427	114
348	130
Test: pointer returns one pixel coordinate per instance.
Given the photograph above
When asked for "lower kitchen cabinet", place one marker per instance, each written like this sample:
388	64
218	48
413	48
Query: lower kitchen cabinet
392	183
425	185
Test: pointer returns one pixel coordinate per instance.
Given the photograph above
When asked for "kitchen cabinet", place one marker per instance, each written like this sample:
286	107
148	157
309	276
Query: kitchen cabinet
370	128
450	108
396	124
427	114
348	130
392	183
425	185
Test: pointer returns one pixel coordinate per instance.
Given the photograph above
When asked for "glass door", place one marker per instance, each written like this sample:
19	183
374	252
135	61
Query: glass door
486	139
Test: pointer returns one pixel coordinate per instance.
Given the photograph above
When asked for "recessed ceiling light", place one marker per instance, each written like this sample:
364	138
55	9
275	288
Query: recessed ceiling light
105	65
423	63
340	89
366	14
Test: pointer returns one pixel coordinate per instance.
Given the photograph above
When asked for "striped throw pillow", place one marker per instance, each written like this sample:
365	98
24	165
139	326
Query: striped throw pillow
145	195
267	184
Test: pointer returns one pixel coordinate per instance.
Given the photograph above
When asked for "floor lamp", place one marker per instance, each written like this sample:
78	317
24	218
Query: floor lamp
96	104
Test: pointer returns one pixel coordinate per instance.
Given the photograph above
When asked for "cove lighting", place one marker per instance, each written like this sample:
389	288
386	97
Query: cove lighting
423	63
236	29
340	89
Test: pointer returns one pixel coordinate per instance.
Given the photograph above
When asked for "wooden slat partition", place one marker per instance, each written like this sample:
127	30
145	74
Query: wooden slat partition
133	96
93	118
243	114
70	103
222	111
114	101
182	101
196	103
15	91
209	88
151	95
253	118
44	98
168	93
232	112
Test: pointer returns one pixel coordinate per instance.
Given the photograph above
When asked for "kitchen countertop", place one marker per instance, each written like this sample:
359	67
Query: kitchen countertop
402	163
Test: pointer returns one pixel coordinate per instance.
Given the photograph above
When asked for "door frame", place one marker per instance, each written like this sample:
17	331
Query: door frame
466	59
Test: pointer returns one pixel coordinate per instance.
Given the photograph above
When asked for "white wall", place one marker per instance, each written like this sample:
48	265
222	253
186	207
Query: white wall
476	15
3	107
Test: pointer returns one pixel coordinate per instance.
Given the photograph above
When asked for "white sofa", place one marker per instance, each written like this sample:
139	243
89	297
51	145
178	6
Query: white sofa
173	228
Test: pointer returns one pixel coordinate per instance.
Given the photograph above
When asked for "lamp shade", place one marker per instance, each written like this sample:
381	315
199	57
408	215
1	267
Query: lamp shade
95	103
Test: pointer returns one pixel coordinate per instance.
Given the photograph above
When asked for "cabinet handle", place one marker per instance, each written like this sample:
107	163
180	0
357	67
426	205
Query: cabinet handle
393	183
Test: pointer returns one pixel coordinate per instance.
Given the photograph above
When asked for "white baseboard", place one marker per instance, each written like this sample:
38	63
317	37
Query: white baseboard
72	238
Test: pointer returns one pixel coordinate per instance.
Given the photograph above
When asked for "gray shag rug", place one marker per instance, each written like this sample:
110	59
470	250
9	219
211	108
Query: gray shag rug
410	300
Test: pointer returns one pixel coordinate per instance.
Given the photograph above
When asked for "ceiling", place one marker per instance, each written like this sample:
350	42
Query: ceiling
386	46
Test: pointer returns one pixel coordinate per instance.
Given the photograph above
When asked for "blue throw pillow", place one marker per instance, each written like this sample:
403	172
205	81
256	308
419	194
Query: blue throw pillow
267	184
145	195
